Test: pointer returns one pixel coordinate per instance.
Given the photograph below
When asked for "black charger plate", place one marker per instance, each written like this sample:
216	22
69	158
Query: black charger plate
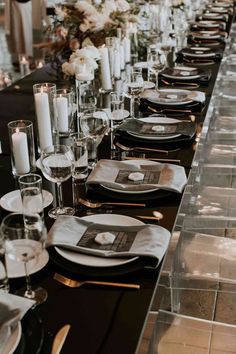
62	263
32	334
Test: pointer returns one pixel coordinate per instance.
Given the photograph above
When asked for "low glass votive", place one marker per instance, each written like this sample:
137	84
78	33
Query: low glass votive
24	65
21	137
43	99
63	112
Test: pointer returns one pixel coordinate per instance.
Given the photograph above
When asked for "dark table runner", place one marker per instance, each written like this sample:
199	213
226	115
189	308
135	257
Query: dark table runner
103	320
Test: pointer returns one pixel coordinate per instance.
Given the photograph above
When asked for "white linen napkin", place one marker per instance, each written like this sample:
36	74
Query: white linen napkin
153	95
78	235
9	303
171	177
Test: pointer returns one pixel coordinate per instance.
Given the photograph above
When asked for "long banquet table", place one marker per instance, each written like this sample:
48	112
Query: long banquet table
103	320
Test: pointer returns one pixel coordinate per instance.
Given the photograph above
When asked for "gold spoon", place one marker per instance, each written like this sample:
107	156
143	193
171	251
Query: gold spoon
94	205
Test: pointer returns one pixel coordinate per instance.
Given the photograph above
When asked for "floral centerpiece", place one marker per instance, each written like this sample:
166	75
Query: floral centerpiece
82	62
85	23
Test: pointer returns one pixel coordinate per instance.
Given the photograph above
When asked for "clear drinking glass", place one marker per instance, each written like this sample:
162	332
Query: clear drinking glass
23	244
94	124
156	60
31	196
118	113
57	164
134	85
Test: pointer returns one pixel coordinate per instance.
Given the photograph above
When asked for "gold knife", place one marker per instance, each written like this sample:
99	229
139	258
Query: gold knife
59	339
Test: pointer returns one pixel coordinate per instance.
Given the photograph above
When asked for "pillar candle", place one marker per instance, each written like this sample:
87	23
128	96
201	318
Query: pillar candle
127	49
105	69
62	113
20	152
122	56
43	119
117	64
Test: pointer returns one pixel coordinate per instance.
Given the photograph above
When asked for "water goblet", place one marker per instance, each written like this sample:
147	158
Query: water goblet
23	244
57	164
134	85
94	124
156	60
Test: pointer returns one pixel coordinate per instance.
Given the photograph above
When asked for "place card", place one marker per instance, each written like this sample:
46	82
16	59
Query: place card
149	177
122	243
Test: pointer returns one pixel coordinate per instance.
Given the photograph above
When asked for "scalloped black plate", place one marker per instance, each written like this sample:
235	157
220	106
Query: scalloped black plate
158	194
75	268
32	334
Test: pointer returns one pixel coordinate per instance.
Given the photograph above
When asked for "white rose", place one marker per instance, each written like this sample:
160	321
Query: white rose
68	68
60	13
122	5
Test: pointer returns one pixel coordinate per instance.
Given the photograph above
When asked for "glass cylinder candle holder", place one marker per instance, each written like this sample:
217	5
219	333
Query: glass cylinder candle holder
24	65
63	112
43	99
21	138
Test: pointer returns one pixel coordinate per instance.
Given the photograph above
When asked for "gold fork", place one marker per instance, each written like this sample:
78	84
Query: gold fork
95	205
127	148
184	84
76	283
169	110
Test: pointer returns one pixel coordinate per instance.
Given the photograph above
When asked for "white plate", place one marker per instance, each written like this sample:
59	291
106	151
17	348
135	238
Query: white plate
205	35
137	163
148	85
12	201
13	340
172	97
16	269
158	120
208	24
92	261
186	77
198	54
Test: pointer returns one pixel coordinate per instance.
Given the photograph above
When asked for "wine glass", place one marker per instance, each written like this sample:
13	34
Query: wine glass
156	61
134	85
94	125
57	164
23	244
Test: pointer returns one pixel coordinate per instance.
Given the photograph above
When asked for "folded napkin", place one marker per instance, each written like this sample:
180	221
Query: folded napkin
12	309
152	129
145	240
167	96
185	74
116	174
200	53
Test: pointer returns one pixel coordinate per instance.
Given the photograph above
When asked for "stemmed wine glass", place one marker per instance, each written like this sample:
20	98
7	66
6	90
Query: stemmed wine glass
156	60
94	125
57	164
23	244
134	85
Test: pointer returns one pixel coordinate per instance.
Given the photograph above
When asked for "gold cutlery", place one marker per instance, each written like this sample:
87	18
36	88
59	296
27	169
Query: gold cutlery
183	84
76	283
95	205
127	148
199	61
157	216
153	159
169	110
59	339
